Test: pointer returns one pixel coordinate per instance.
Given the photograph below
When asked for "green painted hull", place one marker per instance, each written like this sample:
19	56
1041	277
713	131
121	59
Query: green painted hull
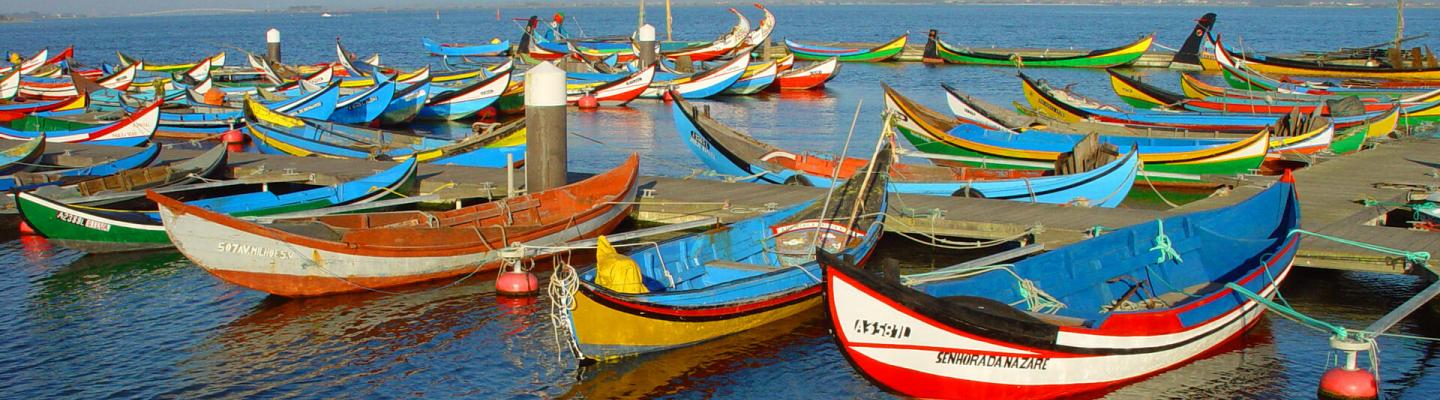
1139	103
877	56
1229	167
1348	142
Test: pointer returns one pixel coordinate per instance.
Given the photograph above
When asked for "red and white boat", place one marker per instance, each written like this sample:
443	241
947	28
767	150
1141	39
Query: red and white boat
813	76
61	88
618	92
1074	321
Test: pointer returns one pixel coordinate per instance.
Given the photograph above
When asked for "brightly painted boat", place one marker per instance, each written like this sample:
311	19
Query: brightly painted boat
30	180
464	102
215	61
23	156
365	106
133	130
390	249
1071	108
1164	159
813	76
938	50
1070	322
755	79
63	88
197	118
9	85
733	153
204	166
618	92
760	35
726	280
883	52
97	230
496	47
1288	67
276	133
406	104
704	84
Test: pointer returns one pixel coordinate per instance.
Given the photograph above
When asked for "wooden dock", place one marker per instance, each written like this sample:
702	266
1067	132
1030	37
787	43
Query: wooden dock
1329	194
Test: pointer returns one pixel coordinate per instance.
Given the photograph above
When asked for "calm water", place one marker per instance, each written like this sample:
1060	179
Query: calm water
153	325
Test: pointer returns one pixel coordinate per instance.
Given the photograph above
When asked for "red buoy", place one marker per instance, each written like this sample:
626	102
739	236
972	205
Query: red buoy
25	229
1341	383
517	283
588	101
233	136
666	97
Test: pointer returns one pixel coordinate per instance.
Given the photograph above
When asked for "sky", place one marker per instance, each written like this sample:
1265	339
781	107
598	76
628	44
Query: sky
125	7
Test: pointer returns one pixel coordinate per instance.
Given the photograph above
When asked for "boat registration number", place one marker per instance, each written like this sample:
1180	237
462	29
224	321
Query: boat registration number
82	221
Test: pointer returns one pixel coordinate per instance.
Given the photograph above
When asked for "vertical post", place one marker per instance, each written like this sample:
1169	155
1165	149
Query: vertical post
767	50
272	45
646	37
510	173
668	21
642	15
1399	22
546	152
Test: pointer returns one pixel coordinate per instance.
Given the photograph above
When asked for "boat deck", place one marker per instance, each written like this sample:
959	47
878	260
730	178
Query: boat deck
1329	194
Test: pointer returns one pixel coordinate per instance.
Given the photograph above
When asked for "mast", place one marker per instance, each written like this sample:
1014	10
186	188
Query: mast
642	15
668	21
1399	22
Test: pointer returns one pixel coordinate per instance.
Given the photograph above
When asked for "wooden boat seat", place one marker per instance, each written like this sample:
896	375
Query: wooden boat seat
309	229
1173	298
741	266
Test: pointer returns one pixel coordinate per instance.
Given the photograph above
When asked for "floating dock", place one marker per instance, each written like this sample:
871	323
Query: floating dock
1330	194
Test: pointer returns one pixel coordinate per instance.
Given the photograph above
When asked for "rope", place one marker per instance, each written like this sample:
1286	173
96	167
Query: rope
1414	257
1157	44
1157	191
1290	313
1163	245
564	282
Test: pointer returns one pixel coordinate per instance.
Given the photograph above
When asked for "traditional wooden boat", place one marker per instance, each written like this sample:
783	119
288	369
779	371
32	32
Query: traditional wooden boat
700	287
760	35
32	180
704	84
786	61
215	61
97	230
133	130
29	65
1240	77
1204	97
1164	159
1073	321
206	119
884	52
726	44
813	76
23	156
1290	67
755	79
464	102
938	50
495	48
64	88
9	85
204	166
1071	108
618	92
354	252
406	104
365	106
276	133
733	153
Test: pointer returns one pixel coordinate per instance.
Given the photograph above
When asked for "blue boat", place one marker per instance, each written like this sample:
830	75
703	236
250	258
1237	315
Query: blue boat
406	104
133	130
31	180
703	286
703	84
366	105
22	157
1076	321
464	102
495	48
733	153
195	118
